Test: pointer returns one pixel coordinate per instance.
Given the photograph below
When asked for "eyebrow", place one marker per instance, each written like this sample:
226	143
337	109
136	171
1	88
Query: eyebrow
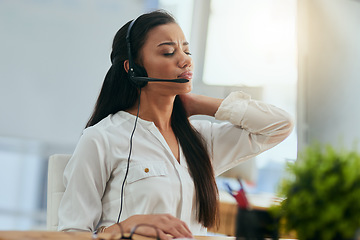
172	44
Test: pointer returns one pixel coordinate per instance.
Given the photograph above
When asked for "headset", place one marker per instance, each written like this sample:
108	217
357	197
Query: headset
139	78
137	74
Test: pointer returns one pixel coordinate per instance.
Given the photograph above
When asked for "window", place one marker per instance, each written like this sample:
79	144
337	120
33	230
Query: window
252	44
182	11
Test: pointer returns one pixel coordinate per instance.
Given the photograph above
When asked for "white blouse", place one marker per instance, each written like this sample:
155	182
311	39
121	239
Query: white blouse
157	182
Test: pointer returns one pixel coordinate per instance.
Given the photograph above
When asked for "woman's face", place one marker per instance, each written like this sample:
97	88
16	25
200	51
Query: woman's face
166	55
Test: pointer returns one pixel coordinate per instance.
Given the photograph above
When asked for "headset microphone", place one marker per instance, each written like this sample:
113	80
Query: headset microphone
148	79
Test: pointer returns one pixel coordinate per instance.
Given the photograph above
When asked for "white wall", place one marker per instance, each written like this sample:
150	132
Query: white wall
329	68
54	56
53	59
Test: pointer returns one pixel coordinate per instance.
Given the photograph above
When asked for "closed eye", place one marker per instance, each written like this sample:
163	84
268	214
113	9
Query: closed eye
169	54
172	53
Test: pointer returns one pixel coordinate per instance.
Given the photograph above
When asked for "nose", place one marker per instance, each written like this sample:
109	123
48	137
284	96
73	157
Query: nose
185	61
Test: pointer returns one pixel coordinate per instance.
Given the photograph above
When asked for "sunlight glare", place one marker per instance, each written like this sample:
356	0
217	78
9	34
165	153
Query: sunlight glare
251	42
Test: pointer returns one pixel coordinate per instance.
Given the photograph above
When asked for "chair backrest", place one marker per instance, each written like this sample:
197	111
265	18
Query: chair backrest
55	188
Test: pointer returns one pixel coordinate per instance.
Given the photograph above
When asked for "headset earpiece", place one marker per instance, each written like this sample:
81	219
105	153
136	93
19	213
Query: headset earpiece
139	71
135	70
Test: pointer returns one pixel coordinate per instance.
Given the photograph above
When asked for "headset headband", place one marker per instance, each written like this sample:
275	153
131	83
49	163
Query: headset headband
128	43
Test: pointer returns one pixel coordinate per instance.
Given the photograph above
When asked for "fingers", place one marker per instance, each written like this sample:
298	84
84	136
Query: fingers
167	225
151	232
173	226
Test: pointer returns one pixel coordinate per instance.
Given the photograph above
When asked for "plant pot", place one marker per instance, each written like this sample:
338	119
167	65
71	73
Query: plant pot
256	225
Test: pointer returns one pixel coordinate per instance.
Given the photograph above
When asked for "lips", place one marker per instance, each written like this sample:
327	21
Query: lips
186	75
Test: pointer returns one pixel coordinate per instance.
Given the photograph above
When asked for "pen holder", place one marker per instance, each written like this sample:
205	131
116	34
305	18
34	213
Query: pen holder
255	225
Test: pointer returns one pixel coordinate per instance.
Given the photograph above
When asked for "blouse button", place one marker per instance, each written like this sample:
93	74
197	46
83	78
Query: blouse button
146	170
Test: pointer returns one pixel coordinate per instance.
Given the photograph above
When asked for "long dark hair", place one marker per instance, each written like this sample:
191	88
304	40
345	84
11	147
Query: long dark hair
118	94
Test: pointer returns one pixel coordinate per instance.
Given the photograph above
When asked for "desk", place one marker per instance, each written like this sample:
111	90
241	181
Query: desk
45	235
228	211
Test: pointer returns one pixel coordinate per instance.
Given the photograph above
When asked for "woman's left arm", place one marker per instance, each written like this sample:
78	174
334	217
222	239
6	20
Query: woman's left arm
239	109
255	127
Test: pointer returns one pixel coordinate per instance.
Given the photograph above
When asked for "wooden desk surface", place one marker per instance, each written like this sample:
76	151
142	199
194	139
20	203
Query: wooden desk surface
47	235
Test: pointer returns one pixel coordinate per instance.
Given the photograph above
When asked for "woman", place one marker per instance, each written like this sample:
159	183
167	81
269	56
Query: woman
140	160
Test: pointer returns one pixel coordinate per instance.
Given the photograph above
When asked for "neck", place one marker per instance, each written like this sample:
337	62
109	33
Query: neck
155	109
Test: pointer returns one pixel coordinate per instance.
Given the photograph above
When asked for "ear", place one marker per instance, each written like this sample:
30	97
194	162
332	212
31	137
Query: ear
126	65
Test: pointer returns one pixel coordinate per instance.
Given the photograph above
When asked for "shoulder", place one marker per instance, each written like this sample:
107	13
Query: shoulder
112	120
200	124
205	123
205	126
105	129
107	124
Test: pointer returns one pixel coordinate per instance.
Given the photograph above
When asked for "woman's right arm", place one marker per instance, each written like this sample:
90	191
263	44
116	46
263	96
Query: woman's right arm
85	179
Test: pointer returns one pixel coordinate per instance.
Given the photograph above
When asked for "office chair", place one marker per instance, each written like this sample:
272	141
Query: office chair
55	188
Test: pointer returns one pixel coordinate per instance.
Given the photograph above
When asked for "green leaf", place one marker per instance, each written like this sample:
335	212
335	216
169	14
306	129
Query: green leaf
322	191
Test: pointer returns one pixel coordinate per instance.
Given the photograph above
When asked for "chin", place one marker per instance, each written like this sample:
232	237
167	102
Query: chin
188	87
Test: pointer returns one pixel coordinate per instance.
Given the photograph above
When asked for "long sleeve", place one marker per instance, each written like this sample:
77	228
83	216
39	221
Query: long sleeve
157	183
250	127
85	179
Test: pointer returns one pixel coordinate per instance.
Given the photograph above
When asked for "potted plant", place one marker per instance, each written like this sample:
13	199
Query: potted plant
322	194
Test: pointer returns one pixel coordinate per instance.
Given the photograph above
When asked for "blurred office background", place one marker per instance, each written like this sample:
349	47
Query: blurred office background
302	56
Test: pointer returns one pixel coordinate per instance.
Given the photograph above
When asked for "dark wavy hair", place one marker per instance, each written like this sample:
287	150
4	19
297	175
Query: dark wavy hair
118	94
